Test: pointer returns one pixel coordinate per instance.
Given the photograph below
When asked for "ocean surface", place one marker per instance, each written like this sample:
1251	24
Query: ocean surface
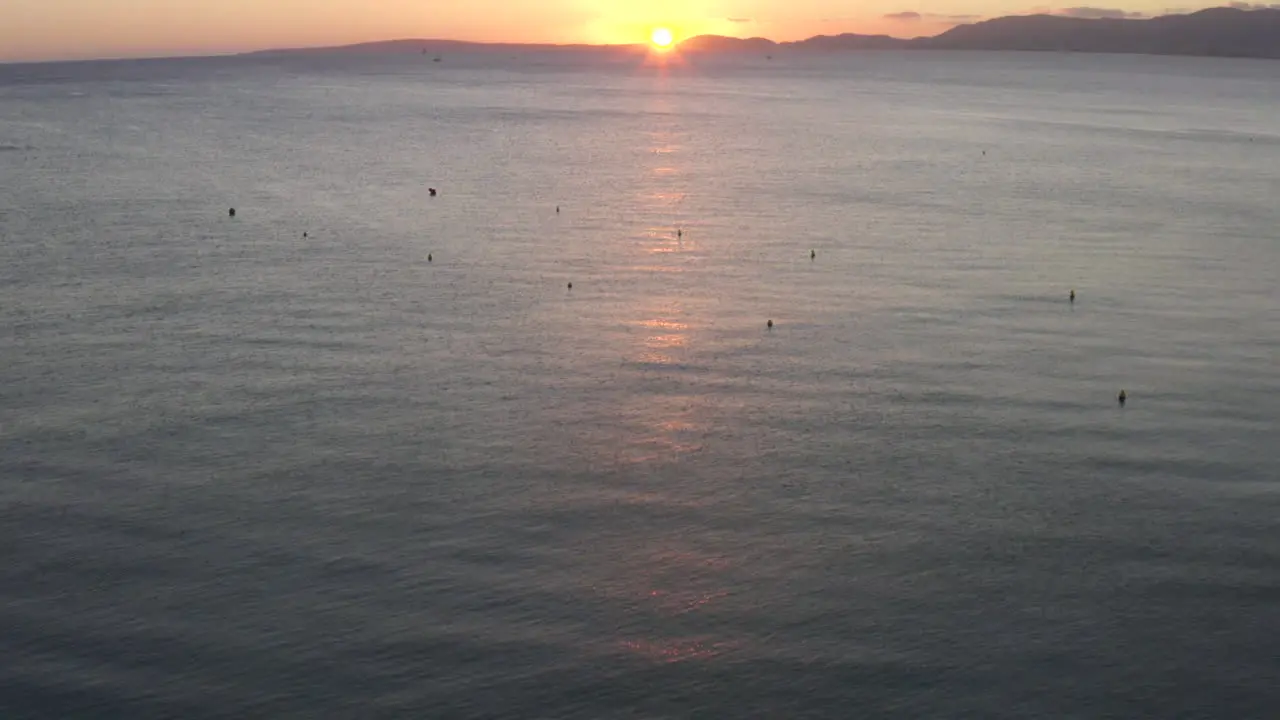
398	468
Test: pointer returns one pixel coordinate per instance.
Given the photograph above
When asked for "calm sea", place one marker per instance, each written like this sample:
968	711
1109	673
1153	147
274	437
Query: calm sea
396	467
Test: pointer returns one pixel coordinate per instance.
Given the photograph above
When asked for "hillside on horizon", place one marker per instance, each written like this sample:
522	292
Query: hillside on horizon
1214	32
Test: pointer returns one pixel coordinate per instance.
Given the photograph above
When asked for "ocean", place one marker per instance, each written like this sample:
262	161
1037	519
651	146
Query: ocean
715	388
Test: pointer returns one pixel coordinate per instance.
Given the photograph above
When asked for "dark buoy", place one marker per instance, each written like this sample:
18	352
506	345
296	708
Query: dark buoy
769	324
428	257
304	233
1072	296
431	192
813	254
557	209
1122	398
570	286
232	212
679	232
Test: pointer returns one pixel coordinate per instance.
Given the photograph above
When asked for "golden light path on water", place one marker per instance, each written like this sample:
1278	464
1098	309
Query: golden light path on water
670	582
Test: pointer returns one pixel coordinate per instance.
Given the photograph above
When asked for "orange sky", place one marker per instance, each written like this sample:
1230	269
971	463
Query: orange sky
61	29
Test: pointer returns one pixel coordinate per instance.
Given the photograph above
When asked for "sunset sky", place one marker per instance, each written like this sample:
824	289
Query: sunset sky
66	29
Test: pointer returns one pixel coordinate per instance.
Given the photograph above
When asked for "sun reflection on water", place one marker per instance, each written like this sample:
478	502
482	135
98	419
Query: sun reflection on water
666	418
665	421
678	650
672	588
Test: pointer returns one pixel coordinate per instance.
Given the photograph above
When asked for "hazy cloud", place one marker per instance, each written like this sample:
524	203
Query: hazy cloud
739	20
1096	13
913	16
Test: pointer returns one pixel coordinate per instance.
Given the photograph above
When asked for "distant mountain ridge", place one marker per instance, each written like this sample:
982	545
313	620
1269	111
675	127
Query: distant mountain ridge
1227	32
429	46
1222	32
1216	32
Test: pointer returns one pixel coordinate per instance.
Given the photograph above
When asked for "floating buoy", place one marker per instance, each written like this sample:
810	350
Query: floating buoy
570	286
1072	296
431	191
232	212
769	324
1122	397
679	233
428	257
304	233
557	209
813	254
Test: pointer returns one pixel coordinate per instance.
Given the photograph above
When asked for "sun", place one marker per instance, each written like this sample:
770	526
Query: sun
661	38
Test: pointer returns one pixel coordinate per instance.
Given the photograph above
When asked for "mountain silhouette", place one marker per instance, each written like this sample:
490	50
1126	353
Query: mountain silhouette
1218	32
1215	32
1225	32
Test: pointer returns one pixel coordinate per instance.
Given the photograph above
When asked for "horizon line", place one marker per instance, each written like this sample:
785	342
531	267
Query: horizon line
632	46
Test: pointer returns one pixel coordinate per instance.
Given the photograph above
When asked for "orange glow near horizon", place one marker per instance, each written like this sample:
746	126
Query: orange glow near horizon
70	29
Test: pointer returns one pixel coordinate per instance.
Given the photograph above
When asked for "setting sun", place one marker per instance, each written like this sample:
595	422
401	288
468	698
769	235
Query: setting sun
662	38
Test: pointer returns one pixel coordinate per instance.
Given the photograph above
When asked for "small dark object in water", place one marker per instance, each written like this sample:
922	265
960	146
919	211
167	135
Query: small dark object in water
428	257
232	212
1122	397
570	286
813	254
769	324
557	209
304	233
679	232
431	191
1073	296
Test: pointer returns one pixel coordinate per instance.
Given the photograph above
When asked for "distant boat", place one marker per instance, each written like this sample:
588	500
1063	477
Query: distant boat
436	59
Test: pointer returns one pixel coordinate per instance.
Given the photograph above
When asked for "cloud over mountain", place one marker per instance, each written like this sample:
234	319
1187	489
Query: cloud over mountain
1097	13
913	16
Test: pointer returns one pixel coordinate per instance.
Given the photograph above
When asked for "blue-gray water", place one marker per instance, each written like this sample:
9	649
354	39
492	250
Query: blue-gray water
249	474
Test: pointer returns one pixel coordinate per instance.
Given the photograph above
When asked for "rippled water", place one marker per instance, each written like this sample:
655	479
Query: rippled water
398	468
